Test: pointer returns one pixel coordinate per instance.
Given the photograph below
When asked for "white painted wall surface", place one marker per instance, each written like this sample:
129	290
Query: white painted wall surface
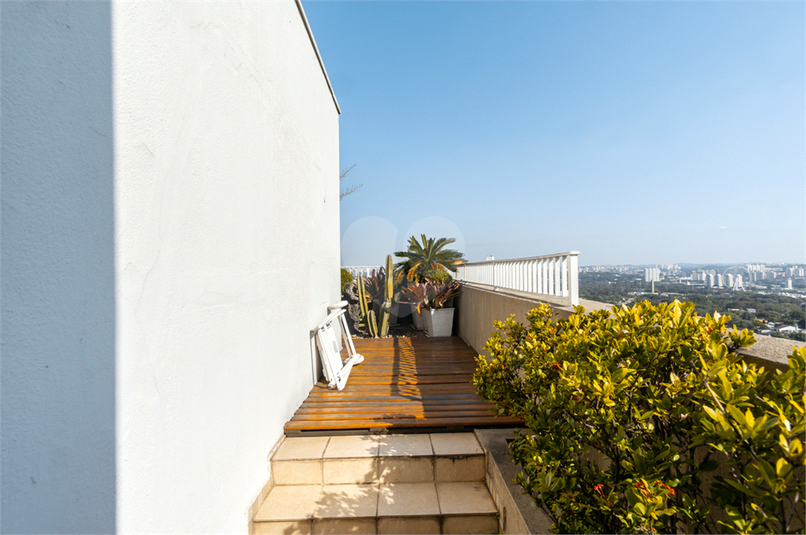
187	276
226	142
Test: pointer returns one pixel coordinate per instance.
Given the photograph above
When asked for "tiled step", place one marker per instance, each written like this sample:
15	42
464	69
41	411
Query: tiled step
463	507
371	484
374	459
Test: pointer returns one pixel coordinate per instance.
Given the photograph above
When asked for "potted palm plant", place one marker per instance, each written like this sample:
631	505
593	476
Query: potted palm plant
438	317
428	261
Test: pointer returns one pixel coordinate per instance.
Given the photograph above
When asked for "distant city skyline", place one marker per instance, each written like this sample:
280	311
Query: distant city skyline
633	132
682	264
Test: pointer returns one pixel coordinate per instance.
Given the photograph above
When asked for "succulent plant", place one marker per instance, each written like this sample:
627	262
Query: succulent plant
429	295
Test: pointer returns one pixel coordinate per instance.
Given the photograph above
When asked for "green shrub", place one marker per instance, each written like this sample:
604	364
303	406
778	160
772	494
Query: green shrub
346	278
644	419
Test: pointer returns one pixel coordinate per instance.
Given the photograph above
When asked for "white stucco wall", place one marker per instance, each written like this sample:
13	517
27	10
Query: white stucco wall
170	237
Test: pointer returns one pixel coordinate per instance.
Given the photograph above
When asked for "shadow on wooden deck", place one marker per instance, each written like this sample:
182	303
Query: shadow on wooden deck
404	384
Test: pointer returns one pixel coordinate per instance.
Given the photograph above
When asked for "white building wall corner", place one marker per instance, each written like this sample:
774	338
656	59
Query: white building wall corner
170	236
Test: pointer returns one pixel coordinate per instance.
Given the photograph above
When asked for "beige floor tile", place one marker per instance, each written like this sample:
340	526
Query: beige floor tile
459	468
352	446
391	445
405	469
420	525
350	471
297	472
300	527
295	502
455	444
470	524
347	501
403	499
464	498
339	526
301	448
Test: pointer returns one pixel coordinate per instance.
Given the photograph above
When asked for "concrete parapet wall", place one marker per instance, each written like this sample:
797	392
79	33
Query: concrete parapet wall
479	306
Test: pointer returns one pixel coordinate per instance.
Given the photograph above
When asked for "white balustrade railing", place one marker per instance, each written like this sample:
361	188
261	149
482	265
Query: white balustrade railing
556	275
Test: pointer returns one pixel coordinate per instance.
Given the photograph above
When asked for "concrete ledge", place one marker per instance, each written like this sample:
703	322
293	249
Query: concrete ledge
516	510
770	352
478	306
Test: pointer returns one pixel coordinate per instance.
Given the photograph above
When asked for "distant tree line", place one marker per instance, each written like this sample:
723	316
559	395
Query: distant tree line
616	288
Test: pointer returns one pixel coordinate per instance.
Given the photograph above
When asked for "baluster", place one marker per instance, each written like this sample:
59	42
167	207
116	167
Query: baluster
573	269
564	272
520	276
541	280
535	276
517	276
552	289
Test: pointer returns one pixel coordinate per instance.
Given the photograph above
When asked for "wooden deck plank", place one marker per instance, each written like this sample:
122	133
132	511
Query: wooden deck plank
403	383
402	423
410	407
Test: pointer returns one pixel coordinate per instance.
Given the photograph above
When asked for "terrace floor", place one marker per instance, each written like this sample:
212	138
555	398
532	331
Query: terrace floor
404	384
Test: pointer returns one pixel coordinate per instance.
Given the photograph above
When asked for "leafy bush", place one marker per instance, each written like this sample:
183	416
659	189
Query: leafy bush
346	278
644	419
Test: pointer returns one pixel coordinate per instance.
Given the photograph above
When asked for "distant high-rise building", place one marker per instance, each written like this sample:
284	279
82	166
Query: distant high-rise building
729	280
789	284
710	280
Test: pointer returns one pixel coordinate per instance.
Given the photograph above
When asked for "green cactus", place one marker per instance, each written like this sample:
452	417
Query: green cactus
370	312
362	304
362	296
372	322
368	319
386	309
389	279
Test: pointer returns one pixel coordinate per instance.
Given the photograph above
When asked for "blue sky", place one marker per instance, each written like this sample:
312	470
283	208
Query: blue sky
634	132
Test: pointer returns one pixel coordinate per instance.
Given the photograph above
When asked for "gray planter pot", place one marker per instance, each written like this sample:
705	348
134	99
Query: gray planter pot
418	319
438	322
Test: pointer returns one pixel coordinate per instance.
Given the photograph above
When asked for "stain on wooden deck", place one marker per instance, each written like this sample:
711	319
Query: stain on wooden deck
403	384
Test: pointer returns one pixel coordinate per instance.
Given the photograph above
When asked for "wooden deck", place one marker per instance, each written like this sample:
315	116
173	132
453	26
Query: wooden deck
403	384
